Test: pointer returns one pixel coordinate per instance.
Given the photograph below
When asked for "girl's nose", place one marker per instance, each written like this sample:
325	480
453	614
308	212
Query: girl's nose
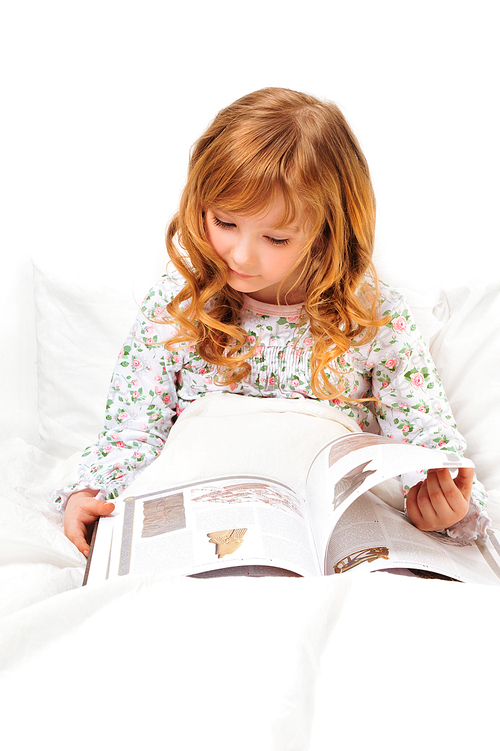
243	252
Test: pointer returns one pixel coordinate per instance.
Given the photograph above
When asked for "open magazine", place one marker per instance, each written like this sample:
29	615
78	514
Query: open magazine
257	525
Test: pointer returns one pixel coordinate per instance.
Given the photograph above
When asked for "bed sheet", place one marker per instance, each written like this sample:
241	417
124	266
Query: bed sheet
375	661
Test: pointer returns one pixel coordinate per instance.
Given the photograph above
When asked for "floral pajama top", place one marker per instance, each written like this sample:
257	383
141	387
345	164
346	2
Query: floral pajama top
150	385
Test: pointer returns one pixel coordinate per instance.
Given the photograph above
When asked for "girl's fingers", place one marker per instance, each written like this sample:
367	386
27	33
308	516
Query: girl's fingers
428	504
81	514
75	530
448	492
92	509
412	505
440	501
464	481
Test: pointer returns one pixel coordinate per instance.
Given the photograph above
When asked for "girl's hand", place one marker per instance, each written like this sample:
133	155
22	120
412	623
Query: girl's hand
81	510
440	501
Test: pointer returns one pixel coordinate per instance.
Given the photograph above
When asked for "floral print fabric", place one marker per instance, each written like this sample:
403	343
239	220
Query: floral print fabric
150	385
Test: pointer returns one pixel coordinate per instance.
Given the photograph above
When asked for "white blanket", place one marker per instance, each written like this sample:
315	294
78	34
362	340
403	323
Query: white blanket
268	663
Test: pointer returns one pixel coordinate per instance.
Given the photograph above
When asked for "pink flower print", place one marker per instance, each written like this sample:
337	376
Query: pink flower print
391	364
272	381
138	454
370	365
122	416
107	449
251	339
120	444
117	385
308	341
441	443
149	340
399	324
233	386
421	408
158	389
342	360
385	384
166	399
417	380
294	383
135	394
135	382
407	352
292	319
137	364
406	428
259	351
175	358
157	378
149	330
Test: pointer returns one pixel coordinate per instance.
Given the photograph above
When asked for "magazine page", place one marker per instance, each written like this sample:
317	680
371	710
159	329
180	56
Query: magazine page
219	523
372	535
351	465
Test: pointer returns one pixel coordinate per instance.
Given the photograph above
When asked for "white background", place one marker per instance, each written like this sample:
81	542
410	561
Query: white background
101	102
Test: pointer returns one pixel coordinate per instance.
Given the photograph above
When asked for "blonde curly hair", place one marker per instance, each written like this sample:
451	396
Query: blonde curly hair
278	143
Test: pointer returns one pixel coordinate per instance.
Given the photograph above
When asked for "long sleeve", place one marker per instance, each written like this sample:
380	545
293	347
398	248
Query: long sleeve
140	408
413	405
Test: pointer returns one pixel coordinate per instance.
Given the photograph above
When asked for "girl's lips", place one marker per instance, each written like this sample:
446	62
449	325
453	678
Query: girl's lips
241	276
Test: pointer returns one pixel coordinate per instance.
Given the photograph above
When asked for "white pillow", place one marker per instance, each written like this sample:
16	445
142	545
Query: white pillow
428	311
81	324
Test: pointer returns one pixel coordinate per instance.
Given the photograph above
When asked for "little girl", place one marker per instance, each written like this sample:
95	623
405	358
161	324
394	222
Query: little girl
274	295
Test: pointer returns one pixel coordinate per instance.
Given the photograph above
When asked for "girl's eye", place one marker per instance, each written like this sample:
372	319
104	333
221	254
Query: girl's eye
275	241
224	225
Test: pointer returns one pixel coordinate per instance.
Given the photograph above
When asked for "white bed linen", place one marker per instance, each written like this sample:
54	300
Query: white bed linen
236	661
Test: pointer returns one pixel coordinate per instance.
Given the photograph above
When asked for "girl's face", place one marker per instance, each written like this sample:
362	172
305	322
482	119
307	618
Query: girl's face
258	254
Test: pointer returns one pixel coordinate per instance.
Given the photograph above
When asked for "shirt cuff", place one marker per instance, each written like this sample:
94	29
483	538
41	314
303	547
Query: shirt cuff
60	497
475	524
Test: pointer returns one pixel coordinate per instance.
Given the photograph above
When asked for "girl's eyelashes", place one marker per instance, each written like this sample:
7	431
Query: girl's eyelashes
275	241
228	225
220	223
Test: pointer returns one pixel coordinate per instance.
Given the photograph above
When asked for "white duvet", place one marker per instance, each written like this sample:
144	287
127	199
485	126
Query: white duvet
378	660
